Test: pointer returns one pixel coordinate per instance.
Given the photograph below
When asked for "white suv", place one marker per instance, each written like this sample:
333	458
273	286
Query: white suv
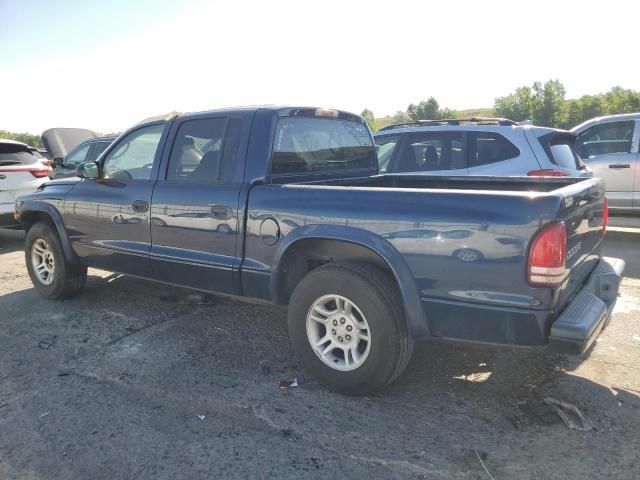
20	172
478	146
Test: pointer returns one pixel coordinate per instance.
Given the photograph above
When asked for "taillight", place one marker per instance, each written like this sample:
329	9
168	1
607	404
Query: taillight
39	173
605	216
548	173
547	256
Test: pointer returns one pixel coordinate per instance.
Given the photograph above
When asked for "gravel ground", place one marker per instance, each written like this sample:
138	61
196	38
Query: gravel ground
138	380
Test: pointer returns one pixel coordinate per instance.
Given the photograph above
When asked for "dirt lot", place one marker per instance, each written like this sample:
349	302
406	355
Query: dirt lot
110	386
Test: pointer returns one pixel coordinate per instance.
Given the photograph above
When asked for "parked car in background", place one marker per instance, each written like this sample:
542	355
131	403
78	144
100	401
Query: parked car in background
359	258
87	151
478	146
609	145
20	172
59	142
43	159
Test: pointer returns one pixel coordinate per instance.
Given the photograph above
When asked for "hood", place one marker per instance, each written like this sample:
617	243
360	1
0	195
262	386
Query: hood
60	141
62	181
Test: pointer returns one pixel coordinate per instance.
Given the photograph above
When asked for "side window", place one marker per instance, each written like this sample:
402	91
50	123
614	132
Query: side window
385	146
205	151
77	156
489	147
133	156
98	148
612	137
432	151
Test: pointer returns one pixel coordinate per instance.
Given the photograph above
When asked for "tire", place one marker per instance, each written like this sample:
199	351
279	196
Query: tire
372	365
468	255
43	245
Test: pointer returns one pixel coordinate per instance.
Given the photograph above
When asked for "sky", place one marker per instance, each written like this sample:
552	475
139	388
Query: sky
108	65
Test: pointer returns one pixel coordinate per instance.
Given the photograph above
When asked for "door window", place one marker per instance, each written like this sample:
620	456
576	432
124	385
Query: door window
607	138
385	146
205	151
489	147
98	148
133	156
432	151
77	156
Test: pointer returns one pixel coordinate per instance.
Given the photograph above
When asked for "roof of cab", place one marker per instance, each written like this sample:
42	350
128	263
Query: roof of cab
606	118
282	110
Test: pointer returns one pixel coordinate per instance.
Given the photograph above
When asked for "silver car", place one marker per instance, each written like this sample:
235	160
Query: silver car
609	145
478	146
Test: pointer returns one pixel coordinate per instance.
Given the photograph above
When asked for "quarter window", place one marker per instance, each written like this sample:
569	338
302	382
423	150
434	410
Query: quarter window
205	151
133	157
612	137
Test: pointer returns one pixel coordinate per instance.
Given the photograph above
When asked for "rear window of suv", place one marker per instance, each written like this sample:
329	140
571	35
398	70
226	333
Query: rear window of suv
561	151
305	145
11	154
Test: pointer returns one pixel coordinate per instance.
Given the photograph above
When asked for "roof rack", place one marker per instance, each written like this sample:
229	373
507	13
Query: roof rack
503	122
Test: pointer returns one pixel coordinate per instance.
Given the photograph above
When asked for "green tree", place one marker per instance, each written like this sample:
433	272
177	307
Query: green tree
28	138
429	110
542	103
370	118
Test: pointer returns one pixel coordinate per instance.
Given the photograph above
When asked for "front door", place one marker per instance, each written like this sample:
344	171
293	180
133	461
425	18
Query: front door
195	215
107	218
611	152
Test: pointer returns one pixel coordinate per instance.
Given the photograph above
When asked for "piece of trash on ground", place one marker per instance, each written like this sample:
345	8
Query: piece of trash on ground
44	414
201	417
289	383
636	338
571	416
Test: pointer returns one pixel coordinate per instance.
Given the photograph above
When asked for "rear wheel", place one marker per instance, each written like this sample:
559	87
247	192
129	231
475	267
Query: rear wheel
50	272
347	324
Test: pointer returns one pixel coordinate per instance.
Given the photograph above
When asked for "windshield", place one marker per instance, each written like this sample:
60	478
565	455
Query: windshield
319	145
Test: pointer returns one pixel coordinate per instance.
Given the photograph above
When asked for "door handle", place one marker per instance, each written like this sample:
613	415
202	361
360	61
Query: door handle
140	206
619	166
221	212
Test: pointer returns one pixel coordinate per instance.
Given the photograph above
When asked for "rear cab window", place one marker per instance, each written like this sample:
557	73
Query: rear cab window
305	145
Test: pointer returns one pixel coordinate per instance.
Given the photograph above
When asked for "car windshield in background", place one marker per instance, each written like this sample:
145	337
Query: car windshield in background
315	145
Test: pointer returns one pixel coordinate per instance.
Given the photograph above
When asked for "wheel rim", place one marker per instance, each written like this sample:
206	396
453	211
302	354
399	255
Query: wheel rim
338	332
43	261
467	255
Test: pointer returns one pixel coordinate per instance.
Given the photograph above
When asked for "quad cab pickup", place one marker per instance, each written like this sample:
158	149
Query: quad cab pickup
286	205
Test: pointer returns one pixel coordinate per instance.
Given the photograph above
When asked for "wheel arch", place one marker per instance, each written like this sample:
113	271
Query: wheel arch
313	246
33	212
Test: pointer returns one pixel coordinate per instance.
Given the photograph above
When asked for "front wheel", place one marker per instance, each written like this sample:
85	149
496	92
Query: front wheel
346	322
50	272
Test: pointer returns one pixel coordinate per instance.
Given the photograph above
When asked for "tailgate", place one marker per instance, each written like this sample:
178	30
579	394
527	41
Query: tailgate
583	214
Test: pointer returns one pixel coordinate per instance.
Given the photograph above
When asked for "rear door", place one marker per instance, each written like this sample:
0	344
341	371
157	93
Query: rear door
107	218
433	153
491	153
611	150
195	215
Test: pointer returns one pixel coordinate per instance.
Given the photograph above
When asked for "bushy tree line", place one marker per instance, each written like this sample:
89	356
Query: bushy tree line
28	138
542	103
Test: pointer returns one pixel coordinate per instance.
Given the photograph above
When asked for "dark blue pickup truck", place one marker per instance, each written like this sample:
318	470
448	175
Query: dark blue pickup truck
286	205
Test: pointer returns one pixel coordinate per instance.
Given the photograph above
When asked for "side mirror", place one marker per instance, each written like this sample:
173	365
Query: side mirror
88	170
58	162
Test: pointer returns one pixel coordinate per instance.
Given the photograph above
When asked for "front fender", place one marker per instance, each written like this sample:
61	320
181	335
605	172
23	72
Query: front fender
26	207
416	321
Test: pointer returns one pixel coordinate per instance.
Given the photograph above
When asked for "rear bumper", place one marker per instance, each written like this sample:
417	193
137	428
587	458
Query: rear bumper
590	311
